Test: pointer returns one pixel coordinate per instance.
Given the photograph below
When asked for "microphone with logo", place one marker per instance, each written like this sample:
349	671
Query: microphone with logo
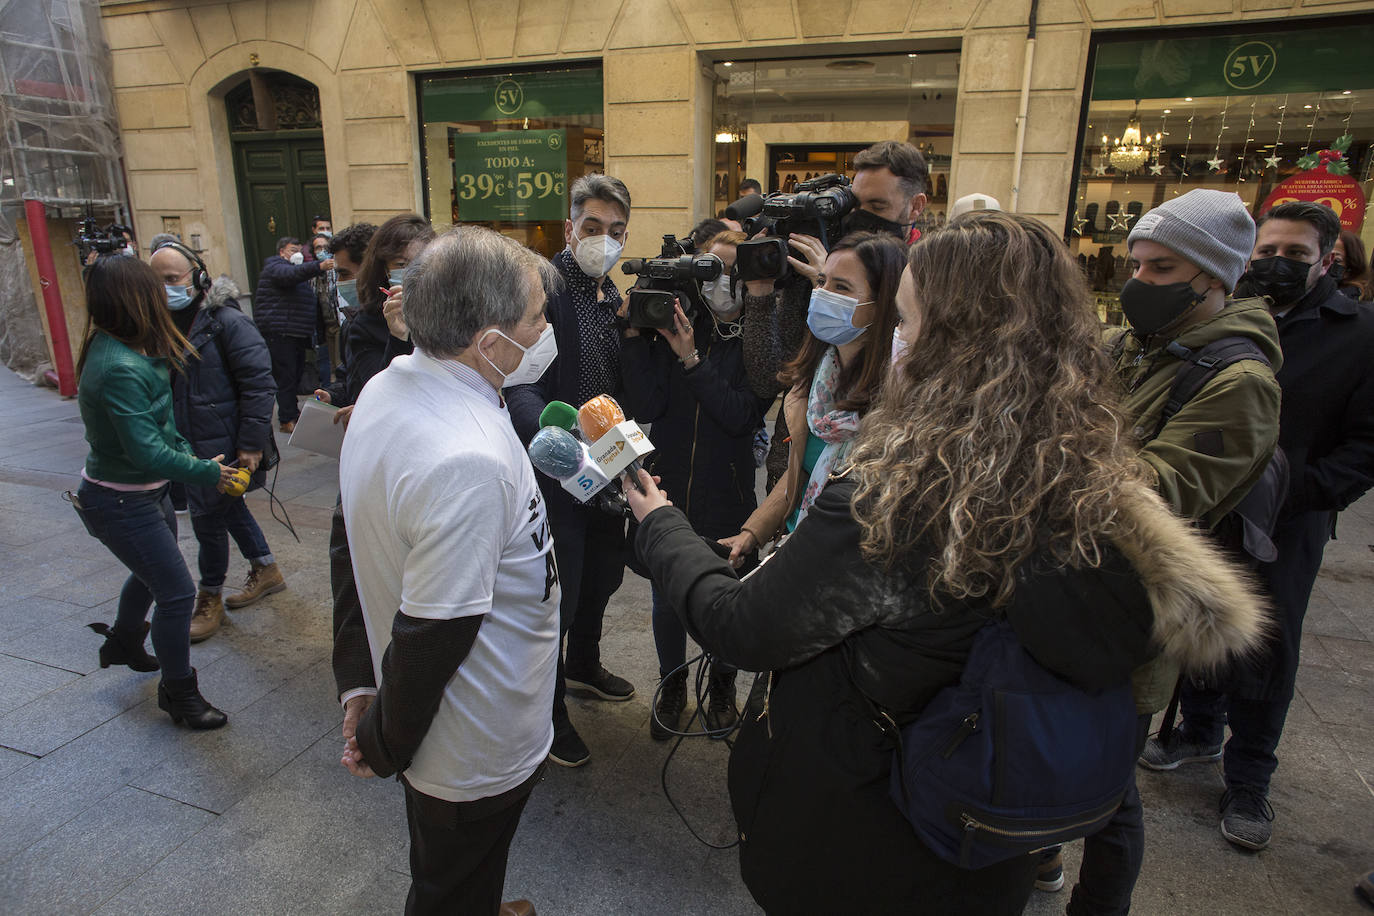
556	453
617	444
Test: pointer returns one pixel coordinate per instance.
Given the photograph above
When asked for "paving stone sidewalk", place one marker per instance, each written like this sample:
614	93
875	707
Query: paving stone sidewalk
106	807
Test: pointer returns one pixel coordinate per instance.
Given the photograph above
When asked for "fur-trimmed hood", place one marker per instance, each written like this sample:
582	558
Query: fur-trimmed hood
223	291
1206	608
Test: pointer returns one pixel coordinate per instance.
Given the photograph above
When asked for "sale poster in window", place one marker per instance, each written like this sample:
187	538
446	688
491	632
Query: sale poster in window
510	175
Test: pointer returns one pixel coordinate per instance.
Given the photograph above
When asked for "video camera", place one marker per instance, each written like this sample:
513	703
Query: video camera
816	208
90	237
675	275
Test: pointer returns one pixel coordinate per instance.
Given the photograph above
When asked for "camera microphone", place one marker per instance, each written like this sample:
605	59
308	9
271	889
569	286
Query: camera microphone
747	206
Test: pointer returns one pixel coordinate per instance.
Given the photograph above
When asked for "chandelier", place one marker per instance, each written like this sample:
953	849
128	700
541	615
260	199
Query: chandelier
1128	154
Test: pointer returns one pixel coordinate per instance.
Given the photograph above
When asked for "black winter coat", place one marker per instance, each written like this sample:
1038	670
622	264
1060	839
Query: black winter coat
368	349
703	424
1326	425
809	778
285	302
223	401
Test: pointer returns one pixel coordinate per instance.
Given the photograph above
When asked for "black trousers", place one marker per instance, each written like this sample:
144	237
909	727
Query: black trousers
288	361
458	850
590	549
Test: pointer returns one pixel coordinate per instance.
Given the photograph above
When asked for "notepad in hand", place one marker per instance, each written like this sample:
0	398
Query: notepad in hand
316	430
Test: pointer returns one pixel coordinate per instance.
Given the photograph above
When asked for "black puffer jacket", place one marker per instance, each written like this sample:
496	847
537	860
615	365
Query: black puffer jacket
368	349
703	424
285	302
223	401
809	777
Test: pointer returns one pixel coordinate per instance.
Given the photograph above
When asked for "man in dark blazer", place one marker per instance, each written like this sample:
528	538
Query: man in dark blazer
284	309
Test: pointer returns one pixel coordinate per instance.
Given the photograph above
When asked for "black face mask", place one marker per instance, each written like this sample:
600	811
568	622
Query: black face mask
1154	309
1283	280
863	221
1336	271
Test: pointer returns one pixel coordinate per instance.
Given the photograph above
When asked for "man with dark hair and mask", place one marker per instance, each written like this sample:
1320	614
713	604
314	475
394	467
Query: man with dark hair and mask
1327	432
1186	256
891	179
588	542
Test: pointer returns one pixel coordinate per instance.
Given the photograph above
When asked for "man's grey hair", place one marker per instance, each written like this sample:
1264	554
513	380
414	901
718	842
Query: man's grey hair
465	280
161	239
599	187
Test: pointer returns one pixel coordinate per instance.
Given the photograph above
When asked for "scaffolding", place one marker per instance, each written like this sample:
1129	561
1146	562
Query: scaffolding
59	148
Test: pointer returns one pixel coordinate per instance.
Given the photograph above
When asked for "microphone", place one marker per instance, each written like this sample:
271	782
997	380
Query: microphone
747	206
597	416
555	453
617	444
562	415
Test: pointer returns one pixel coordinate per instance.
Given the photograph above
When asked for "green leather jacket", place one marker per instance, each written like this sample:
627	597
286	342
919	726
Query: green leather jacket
1216	447
126	404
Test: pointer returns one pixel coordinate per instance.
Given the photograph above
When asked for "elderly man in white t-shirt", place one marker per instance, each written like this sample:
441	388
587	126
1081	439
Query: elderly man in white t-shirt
455	567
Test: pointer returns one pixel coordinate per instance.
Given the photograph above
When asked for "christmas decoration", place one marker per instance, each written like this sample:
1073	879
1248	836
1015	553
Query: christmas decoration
1325	180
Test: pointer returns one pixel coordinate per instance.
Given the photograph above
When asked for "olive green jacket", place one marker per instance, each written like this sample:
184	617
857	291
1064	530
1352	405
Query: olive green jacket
1216	447
126	404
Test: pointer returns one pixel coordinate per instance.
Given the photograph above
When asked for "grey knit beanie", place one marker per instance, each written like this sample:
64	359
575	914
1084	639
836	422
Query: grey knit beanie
1210	228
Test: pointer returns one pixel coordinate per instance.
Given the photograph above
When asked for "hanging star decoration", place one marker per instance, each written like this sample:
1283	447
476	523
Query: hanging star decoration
1332	160
1215	164
1271	162
1120	221
1078	223
1157	169
1100	168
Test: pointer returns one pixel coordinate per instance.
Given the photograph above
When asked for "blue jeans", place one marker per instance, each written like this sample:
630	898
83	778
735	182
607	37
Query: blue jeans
140	529
670	638
215	518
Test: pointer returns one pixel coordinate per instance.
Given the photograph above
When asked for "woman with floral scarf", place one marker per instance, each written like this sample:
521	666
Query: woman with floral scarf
840	368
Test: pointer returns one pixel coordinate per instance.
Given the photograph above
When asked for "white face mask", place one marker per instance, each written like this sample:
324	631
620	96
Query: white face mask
298	258
899	346
597	254
536	360
718	296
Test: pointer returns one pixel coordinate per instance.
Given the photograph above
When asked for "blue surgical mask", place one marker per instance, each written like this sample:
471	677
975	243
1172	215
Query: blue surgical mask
395	276
348	292
831	317
178	297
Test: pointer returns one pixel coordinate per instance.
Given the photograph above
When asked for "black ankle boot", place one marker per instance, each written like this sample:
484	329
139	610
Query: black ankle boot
721	712
182	701
121	650
672	702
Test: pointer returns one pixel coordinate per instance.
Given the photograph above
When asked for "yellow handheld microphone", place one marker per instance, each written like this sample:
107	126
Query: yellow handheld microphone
238	484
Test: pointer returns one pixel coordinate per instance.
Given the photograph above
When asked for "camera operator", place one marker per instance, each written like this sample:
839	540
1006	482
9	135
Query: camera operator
689	381
588	542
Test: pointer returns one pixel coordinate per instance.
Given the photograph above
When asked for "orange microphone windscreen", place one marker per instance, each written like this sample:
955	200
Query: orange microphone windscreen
597	416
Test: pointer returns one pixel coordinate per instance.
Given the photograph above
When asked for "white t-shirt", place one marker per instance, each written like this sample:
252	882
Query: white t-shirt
445	521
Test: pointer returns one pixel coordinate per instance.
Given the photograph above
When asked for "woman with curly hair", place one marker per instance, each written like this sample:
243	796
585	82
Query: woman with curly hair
992	479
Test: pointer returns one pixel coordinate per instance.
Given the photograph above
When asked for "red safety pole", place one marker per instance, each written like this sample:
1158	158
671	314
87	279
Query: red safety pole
52	297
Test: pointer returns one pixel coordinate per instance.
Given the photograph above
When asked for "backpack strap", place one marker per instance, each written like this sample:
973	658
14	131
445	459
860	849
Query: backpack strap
1200	366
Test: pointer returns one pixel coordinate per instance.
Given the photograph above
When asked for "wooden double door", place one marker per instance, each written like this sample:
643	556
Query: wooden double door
282	184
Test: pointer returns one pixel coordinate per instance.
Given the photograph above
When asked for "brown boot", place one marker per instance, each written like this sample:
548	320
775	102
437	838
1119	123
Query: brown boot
209	614
262	580
517	908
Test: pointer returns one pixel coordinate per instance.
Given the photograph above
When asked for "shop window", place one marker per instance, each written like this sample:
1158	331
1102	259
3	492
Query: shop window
783	122
501	148
1273	116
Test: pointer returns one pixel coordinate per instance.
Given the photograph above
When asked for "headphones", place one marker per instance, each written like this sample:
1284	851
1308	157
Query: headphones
200	274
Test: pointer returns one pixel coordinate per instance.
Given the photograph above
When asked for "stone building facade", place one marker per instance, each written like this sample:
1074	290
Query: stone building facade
174	61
